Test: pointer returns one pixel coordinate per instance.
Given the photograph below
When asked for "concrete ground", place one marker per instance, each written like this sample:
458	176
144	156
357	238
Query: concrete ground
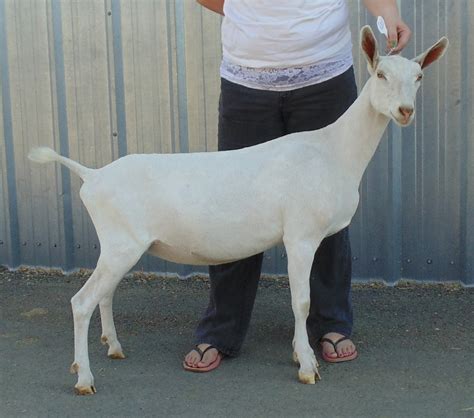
416	346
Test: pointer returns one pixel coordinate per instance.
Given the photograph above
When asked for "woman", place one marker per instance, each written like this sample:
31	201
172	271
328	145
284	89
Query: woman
286	67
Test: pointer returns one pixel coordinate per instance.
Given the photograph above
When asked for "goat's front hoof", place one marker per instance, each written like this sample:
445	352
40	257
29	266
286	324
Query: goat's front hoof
85	390
309	379
118	355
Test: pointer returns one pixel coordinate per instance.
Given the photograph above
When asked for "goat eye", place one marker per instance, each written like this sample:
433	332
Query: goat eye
381	76
419	77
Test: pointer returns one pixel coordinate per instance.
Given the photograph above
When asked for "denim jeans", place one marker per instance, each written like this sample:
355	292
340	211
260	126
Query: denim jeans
248	117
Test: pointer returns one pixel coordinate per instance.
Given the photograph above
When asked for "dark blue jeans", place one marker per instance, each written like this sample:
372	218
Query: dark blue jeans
248	117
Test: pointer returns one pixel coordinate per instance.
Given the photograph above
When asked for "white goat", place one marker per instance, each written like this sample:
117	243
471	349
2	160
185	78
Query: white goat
216	207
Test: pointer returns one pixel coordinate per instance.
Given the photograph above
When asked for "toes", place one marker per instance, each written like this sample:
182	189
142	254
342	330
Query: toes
192	358
346	350
209	357
343	351
329	350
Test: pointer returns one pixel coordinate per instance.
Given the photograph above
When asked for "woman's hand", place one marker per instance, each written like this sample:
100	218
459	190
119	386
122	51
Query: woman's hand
398	32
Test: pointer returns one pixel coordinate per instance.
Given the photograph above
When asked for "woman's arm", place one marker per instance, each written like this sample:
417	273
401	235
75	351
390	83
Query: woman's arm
398	32
214	5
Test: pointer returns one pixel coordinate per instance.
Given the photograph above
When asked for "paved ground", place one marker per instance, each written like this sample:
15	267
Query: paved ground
416	349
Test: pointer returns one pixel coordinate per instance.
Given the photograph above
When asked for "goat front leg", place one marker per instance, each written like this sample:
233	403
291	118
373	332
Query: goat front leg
300	260
109	334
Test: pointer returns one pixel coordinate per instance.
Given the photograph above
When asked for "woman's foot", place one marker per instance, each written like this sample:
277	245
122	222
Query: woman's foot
336	348
202	358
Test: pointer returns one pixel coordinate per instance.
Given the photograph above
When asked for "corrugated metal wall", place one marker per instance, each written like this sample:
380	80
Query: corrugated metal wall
98	79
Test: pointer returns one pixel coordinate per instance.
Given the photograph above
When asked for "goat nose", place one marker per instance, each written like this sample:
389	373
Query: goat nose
406	111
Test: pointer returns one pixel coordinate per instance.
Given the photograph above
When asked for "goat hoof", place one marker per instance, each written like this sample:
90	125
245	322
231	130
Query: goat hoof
117	355
307	379
85	390
295	358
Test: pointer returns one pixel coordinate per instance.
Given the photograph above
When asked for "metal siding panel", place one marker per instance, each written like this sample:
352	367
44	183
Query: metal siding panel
17	74
4	213
450	146
28	48
56	213
163	106
146	76
61	134
467	128
88	108
9	238
410	218
130	88
117	95
173	74
212	54
430	167
194	73
182	109
141	72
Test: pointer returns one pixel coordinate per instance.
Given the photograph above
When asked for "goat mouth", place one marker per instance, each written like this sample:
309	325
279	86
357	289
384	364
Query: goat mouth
403	121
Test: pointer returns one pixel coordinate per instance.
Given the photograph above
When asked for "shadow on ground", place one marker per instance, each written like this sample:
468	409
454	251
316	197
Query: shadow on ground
415	342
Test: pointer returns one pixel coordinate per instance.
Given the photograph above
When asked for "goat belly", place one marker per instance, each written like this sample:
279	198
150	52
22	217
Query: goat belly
177	254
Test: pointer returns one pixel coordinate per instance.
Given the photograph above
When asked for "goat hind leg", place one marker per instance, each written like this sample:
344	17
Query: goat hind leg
300	260
109	271
109	334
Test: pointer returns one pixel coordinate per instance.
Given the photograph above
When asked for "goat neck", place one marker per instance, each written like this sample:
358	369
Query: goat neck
359	131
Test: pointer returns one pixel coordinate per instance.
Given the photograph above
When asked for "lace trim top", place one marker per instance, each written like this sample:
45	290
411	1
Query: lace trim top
283	79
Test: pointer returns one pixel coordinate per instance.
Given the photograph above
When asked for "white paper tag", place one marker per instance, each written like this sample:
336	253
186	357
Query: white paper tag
383	30
381	26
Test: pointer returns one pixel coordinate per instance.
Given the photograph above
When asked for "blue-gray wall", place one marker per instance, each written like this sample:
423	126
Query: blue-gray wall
97	79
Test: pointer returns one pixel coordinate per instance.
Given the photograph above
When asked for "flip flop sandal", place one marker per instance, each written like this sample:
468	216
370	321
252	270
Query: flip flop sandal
214	365
325	357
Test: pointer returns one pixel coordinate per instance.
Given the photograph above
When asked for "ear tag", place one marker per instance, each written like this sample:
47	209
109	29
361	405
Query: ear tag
383	30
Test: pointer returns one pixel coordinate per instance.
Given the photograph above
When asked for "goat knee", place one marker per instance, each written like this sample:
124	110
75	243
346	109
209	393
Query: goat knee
81	309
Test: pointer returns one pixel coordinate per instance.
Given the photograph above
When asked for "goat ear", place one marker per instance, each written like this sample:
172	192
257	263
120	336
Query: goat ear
368	44
433	53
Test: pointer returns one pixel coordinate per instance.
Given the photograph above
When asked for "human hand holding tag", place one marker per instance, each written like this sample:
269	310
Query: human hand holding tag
396	32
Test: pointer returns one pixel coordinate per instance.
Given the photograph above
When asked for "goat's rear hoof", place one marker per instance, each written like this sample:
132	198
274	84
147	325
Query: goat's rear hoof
118	355
85	390
115	349
309	379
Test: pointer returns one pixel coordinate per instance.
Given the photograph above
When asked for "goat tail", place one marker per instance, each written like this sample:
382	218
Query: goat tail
44	155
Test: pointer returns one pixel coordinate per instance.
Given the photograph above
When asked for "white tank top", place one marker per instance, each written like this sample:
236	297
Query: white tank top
285	33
